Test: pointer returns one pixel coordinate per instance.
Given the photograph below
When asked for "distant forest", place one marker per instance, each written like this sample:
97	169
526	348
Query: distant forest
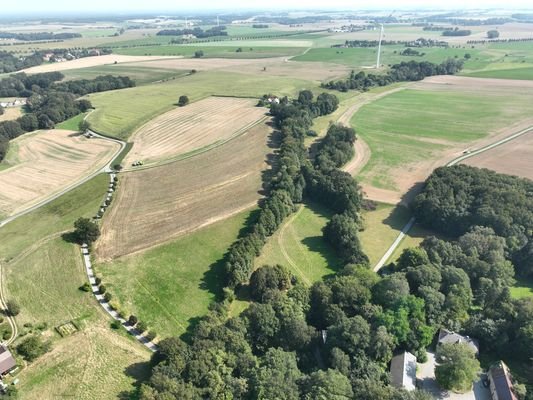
197	32
34	36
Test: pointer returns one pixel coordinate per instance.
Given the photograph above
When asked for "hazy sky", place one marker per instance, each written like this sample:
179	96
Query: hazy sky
128	6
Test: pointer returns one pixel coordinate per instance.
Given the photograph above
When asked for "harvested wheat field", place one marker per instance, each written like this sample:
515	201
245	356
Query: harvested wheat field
11	113
512	158
194	128
46	162
157	204
90	62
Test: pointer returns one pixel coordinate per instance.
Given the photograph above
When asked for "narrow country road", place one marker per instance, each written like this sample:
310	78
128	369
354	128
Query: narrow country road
455	161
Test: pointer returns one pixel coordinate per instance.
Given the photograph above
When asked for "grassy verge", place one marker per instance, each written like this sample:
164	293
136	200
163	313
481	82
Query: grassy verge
72	124
212	51
171	285
43	273
298	245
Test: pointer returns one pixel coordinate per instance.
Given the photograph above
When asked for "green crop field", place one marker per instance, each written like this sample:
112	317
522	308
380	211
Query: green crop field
247	50
120	112
172	284
511	73
413	125
141	75
71	124
298	245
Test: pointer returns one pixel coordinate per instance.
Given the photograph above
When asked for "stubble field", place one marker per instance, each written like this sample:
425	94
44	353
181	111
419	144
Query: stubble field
157	204
43	163
194	128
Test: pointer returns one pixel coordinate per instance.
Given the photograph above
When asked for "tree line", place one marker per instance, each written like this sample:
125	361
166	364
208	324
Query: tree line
405	71
49	102
198	32
34	36
293	119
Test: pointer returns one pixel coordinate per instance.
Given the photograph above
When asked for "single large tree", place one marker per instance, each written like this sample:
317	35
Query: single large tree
86	231
458	367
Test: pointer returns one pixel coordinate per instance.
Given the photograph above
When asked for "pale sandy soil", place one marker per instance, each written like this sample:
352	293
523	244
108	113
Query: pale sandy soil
512	158
87	62
205	123
11	113
45	162
158	204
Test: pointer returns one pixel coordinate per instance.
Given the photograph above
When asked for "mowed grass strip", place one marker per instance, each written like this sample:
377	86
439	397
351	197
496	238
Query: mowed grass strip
251	50
511	73
299	246
187	129
155	205
522	288
72	124
171	285
120	112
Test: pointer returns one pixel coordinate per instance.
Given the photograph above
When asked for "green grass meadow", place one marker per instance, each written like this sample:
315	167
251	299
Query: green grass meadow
522	288
414	125
171	285
72	124
120	112
298	245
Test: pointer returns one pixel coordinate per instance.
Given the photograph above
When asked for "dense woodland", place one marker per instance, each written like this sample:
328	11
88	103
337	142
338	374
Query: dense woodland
11	63
405	71
49	101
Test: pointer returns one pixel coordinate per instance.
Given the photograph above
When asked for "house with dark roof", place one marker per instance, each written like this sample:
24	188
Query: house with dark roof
501	383
449	337
403	371
7	362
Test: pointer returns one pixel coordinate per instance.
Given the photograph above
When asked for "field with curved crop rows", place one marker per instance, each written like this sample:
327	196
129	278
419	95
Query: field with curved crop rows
43	163
194	128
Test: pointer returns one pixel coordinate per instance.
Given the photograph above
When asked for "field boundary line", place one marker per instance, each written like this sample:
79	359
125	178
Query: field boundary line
453	162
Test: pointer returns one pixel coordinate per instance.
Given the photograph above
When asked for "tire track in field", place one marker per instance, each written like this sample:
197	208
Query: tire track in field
284	251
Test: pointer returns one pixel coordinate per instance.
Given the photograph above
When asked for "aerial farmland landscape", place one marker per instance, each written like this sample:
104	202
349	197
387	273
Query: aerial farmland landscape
278	201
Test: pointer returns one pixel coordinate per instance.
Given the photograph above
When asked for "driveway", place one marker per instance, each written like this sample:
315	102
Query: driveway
425	374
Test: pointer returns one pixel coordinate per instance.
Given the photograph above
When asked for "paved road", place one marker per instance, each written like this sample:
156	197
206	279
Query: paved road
107	168
455	161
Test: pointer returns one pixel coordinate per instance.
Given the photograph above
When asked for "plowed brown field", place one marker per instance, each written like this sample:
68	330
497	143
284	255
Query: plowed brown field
157	204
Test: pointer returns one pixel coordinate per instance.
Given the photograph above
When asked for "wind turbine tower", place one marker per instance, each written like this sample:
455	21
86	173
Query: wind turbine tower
378	61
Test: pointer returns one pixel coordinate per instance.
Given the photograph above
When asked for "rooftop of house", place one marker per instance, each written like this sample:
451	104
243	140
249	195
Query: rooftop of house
446	336
501	379
403	371
7	362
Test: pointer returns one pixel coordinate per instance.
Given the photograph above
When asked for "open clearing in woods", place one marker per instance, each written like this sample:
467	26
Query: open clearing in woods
11	113
413	131
44	162
157	204
511	158
195	127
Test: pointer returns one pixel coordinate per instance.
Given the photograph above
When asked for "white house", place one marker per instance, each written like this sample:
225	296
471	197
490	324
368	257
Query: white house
403	371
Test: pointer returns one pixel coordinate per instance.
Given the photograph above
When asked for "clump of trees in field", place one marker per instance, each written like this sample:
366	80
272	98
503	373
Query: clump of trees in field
405	71
183	101
33	347
34	36
103	83
493	34
86	231
457	32
11	63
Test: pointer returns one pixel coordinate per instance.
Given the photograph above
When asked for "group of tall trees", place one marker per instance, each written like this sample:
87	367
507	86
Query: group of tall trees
293	120
34	36
405	71
11	63
49	102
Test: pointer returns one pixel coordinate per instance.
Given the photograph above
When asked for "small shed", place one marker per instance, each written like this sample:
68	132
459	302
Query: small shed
7	362
403	371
